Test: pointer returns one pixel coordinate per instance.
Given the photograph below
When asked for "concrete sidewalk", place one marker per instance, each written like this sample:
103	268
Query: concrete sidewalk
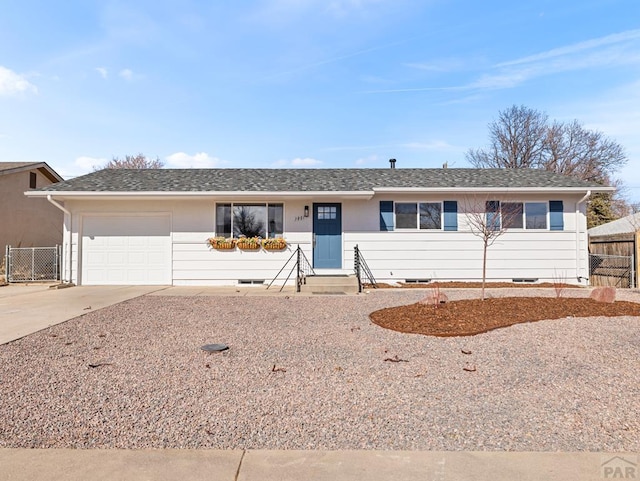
25	309
237	465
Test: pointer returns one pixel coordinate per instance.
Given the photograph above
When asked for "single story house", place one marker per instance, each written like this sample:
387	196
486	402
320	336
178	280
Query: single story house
28	222
152	226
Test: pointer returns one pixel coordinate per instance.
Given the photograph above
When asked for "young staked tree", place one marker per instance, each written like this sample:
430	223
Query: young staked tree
522	137
488	219
139	161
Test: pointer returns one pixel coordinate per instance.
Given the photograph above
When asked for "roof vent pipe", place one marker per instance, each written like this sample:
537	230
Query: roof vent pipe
392	163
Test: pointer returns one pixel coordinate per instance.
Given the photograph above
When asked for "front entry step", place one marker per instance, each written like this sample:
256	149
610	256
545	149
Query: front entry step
345	284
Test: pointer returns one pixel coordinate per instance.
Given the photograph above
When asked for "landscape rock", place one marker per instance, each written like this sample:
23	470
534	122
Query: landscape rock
604	294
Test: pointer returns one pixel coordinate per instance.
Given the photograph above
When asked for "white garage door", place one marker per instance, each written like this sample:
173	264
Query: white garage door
126	250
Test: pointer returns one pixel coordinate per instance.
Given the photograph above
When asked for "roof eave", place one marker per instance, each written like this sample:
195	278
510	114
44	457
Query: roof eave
502	190
306	194
198	194
44	168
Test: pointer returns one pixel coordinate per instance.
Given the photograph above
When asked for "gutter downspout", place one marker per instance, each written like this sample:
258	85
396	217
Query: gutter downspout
579	278
66	211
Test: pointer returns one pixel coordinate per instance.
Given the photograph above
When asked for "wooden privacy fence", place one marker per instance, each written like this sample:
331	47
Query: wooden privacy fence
613	260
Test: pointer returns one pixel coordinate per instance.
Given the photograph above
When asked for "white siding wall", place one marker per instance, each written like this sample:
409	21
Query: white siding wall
439	255
458	255
195	263
392	256
193	222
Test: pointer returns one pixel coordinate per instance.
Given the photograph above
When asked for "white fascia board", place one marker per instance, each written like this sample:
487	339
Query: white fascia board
201	195
493	190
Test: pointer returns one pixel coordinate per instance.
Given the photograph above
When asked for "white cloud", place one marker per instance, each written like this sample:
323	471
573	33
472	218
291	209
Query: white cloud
372	159
306	162
297	162
87	164
440	65
591	44
433	145
200	160
611	50
102	71
620	49
126	74
13	84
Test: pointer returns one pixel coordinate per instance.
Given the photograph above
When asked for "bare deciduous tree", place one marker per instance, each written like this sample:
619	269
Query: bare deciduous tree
516	140
585	154
488	220
523	138
139	161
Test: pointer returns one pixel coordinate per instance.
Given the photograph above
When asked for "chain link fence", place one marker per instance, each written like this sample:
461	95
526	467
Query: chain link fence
29	264
613	271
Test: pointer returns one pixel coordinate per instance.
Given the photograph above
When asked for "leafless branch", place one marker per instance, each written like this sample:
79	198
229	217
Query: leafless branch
139	161
487	220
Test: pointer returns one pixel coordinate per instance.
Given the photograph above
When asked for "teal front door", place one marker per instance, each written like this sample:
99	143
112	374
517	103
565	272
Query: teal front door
327	236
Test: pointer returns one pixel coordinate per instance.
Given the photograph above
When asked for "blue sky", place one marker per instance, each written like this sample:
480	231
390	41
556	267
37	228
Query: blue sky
307	83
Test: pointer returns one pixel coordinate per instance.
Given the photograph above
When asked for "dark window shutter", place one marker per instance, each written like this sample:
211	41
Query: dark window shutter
386	215
556	217
450	215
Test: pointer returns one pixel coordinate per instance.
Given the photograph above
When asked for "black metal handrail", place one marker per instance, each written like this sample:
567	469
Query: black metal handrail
362	270
302	266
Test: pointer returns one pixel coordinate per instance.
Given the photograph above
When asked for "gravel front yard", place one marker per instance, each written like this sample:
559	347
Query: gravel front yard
310	373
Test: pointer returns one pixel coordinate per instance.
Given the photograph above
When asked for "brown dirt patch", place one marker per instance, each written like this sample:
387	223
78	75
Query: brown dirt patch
474	316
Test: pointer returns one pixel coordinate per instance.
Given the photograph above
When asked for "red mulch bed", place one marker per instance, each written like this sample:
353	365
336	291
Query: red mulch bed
475	316
469	285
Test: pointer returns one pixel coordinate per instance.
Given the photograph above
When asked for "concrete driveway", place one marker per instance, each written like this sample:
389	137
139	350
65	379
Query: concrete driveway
25	309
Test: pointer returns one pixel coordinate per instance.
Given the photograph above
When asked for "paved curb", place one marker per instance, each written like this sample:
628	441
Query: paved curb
258	465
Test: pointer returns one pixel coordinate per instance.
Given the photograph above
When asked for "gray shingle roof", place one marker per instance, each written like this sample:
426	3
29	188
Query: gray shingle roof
16	165
300	180
625	225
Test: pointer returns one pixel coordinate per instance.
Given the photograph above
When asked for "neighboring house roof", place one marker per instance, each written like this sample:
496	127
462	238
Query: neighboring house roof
625	225
135	181
43	167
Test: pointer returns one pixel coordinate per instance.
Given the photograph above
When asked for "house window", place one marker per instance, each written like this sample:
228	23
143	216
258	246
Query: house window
430	215
492	210
326	212
517	215
249	220
512	215
33	180
536	215
414	215
406	215
426	215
